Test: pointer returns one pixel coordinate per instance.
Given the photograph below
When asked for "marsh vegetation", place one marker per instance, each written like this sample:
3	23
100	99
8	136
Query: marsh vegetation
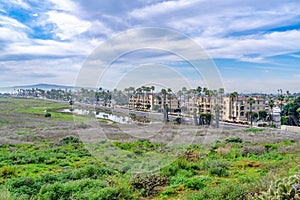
46	158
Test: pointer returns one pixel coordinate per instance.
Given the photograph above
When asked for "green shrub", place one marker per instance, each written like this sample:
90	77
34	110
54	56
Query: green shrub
271	146
219	171
8	172
225	191
253	150
69	140
177	165
196	183
147	182
69	190
233	140
24	185
218	168
180	178
254	130
91	171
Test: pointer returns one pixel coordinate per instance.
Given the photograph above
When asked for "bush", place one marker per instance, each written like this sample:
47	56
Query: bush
69	140
254	130
253	150
91	171
233	140
225	191
219	171
24	185
218	168
7	172
70	190
180	178
196	183
48	114
147	183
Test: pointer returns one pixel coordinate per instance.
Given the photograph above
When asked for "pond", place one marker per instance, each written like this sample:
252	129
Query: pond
101	115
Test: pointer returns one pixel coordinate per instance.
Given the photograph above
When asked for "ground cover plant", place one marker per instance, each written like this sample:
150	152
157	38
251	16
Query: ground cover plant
44	158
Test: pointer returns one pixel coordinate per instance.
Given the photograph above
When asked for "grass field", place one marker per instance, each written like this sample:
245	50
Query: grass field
50	158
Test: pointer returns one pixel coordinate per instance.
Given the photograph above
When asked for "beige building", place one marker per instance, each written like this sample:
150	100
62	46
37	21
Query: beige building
231	109
237	109
150	102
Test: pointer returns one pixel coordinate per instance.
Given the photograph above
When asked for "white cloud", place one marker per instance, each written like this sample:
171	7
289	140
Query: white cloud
162	8
261	45
40	71
64	5
47	48
20	3
9	35
68	25
10	22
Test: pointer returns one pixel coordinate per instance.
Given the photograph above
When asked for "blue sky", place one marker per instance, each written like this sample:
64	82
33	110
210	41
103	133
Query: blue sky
255	44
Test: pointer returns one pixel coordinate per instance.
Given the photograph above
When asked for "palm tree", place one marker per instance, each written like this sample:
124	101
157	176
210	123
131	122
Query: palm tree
281	99
217	109
271	105
199	90
233	95
165	106
251	101
170	97
152	88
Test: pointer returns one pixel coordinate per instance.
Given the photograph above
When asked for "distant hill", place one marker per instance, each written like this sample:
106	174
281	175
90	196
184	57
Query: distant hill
43	86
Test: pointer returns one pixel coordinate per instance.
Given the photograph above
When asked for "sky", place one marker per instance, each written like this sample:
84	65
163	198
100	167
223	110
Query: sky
254	44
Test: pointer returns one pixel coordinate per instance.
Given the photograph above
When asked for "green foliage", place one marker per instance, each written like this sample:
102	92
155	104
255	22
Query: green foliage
205	118
284	189
196	183
225	191
216	168
147	182
254	130
284	120
70	190
253	150
290	114
31	186
180	178
8	172
24	185
233	140
69	140
269	146
262	115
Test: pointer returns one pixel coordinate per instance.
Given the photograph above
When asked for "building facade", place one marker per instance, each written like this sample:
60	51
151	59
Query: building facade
230	109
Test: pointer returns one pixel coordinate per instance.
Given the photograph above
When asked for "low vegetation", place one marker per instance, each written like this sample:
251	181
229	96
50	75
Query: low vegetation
233	167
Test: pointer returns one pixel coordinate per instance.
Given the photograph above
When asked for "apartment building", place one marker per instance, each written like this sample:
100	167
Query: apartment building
236	109
231	109
150	102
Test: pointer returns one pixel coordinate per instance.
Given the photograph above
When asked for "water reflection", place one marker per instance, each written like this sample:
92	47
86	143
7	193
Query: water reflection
101	115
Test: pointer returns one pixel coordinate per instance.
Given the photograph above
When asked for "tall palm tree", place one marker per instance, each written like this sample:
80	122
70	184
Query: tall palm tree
170	97
233	96
281	99
251	101
165	106
217	109
199	90
271	105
